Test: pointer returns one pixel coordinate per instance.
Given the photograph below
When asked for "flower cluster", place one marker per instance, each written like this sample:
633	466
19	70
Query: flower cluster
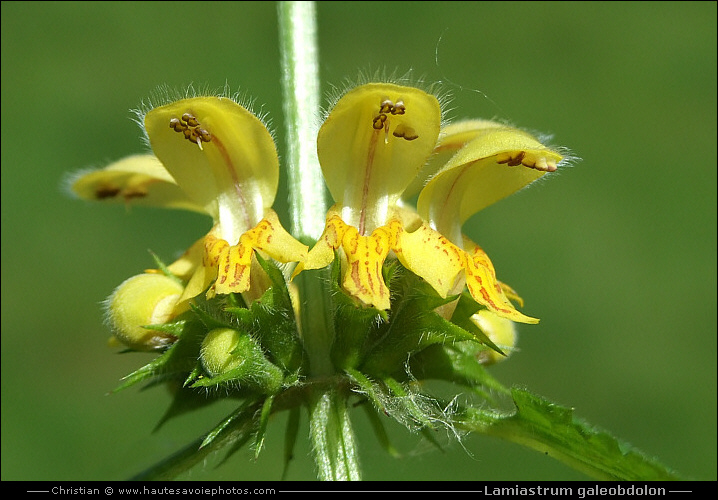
214	156
412	296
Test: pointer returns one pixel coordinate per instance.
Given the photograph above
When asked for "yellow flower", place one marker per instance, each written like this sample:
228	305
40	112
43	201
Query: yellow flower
372	146
213	156
485	162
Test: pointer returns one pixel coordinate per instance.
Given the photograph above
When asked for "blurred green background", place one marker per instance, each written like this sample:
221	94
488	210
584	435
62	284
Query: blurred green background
616	255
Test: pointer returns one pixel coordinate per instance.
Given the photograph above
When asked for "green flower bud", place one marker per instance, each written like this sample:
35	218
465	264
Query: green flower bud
236	356
500	331
142	300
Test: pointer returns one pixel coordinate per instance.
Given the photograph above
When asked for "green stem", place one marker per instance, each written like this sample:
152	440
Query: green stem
331	435
300	84
316	320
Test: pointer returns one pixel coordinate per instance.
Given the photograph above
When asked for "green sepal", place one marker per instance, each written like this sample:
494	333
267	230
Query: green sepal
163	267
179	358
414	326
458	363
465	308
175	328
271	321
196	373
209	318
363	385
254	373
410	403
554	430
412	409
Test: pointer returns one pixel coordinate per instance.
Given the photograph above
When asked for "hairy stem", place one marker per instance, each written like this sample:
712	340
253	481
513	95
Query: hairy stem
300	88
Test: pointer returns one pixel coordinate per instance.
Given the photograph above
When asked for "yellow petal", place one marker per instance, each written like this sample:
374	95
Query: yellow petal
511	294
365	255
486	290
372	145
221	155
322	253
271	238
185	266
362	258
139	179
446	267
451	138
433	257
234	263
497	163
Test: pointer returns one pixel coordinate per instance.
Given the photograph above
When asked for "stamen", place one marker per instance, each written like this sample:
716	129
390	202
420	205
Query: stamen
177	125
204	135
382	121
379	120
386	106
530	160
105	192
405	132
190	120
511	160
189	126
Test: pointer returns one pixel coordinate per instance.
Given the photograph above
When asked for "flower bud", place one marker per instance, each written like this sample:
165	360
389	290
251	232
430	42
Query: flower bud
500	331
237	356
143	300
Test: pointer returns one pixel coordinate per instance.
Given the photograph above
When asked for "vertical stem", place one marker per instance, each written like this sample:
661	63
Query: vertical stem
307	204
330	429
300	83
332	437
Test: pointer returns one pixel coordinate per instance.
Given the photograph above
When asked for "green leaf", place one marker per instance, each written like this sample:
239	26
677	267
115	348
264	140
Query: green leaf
290	439
262	426
237	428
379	430
179	358
554	430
